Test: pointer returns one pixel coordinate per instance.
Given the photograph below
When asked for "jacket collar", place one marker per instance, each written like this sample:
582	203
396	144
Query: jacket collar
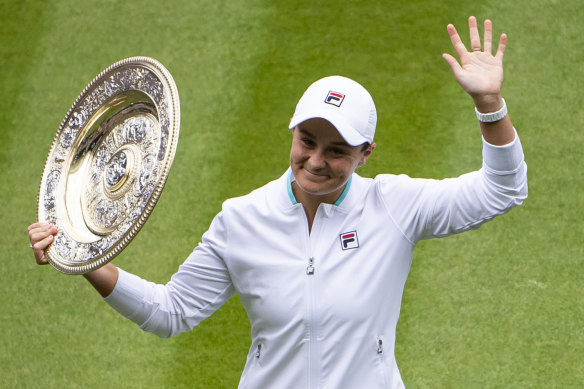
345	200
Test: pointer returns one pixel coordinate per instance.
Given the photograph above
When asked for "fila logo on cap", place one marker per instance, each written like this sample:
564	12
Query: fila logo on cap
334	98
349	240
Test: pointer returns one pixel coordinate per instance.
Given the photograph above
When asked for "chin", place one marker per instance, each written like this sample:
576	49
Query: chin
316	189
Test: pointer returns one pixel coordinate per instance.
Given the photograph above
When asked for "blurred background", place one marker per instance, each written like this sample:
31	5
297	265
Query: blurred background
498	307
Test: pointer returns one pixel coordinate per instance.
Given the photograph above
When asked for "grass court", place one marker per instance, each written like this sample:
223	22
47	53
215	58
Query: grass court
501	307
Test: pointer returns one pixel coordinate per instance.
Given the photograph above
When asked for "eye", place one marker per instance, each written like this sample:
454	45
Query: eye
338	151
307	142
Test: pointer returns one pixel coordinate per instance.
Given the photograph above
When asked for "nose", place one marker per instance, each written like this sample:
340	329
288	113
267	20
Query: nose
317	159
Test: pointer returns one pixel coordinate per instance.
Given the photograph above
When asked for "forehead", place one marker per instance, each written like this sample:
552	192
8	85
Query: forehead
321	129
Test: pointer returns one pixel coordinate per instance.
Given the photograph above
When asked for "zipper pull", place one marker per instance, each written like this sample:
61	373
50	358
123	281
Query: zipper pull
310	268
380	346
258	353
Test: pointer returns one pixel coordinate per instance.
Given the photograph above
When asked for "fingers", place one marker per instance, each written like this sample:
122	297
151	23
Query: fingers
36	225
39	231
475	39
456	41
41	236
502	47
488	36
39	250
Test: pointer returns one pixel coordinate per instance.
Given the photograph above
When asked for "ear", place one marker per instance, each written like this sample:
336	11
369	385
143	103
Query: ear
366	154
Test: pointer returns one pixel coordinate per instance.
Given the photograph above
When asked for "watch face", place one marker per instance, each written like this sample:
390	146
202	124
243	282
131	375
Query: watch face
109	162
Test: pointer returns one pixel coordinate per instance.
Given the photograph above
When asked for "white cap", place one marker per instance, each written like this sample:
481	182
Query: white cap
344	103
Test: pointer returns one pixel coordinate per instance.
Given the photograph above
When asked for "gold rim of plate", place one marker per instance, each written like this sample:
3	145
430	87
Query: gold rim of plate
108	163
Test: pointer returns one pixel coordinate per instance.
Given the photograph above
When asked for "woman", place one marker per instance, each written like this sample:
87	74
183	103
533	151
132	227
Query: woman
320	256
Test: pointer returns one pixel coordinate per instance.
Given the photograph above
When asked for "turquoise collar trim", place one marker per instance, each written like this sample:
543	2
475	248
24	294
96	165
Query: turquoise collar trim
290	193
345	191
337	203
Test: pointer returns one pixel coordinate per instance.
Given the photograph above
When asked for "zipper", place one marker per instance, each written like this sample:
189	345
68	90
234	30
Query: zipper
312	328
258	353
314	367
380	357
311	236
310	268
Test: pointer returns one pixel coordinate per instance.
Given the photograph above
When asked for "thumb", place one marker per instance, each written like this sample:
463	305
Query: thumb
453	63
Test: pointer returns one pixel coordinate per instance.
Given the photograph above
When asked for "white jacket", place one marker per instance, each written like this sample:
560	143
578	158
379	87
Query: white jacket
323	306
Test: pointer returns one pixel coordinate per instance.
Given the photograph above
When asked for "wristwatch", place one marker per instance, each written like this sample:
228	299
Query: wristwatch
492	116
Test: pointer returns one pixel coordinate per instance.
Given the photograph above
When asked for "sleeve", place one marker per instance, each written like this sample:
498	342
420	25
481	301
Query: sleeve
425	209
201	285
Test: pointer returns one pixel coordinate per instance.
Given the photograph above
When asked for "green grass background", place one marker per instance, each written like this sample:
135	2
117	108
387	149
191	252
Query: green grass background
498	308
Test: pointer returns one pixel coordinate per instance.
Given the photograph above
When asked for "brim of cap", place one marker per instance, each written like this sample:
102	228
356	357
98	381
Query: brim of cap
349	134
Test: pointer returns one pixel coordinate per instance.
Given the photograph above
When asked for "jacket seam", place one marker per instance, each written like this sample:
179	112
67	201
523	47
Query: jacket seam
385	206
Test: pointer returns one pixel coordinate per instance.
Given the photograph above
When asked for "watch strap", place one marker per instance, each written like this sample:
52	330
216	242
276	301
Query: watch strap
492	116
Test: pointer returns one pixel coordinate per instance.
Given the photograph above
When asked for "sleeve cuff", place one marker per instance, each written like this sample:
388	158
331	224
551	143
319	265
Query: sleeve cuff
506	158
128	295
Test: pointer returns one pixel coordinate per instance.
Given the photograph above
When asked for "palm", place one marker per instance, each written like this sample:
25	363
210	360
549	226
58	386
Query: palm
479	72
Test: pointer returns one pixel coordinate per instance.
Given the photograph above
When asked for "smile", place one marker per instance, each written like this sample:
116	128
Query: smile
316	175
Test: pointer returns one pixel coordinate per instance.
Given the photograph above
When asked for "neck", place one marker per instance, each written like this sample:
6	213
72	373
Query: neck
311	202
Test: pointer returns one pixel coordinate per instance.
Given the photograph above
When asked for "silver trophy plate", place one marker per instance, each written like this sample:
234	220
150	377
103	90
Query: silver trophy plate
109	162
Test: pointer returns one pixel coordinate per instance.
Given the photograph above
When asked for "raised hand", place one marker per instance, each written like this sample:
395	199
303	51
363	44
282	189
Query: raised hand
479	73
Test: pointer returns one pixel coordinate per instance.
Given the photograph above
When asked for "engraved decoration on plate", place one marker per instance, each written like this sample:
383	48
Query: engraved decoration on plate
109	162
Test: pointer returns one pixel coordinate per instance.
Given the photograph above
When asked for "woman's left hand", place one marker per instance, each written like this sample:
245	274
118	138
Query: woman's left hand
479	73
